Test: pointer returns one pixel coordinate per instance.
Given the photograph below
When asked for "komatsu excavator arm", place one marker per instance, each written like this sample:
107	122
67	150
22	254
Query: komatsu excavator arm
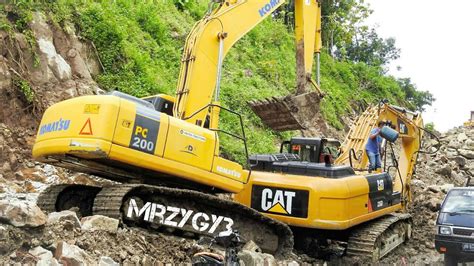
213	36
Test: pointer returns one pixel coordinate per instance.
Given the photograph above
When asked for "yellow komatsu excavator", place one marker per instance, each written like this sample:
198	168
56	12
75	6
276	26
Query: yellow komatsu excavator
165	153
166	149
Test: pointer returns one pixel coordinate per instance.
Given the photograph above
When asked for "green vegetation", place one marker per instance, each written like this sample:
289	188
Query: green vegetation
25	89
140	45
430	127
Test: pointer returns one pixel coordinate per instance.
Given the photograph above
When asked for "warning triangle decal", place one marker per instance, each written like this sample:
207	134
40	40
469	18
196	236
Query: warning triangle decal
278	209
86	128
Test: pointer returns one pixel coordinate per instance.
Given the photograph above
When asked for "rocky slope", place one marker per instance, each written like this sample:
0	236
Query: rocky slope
35	73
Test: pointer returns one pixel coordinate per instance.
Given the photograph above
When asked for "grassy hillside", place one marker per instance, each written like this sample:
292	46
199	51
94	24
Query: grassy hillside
140	46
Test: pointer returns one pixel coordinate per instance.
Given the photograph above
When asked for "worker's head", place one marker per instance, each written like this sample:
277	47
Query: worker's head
380	124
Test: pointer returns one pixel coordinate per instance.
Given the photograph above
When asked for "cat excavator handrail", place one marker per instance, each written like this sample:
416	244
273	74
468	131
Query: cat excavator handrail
213	36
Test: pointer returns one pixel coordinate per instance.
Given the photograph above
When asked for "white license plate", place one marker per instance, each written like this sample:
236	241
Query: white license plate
468	247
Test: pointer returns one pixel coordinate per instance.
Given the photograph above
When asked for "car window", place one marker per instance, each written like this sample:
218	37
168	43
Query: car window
459	201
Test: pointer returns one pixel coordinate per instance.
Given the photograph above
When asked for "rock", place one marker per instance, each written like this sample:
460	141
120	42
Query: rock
446	187
469	144
444	159
123	254
148	260
5	76
107	261
4	237
434	188
454	144
268	259
251	258
99	222
451	153
444	170
45	256
418	183
251	246
461	161
433	204
72	255
462	137
21	213
469	154
70	216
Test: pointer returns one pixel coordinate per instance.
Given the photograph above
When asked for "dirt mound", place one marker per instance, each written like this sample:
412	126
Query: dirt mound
126	245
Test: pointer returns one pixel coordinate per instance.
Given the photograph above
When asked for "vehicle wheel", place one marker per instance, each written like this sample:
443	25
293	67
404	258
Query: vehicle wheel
450	260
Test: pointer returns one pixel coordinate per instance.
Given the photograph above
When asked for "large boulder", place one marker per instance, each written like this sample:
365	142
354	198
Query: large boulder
99	223
21	213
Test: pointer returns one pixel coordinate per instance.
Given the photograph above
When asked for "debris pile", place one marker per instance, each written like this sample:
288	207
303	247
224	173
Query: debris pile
28	236
435	174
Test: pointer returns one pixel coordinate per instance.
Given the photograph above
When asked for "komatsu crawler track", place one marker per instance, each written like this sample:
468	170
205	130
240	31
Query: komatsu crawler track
376	239
177	211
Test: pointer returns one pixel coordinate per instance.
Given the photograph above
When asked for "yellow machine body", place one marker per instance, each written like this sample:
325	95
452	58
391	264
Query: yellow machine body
110	128
312	202
340	196
470	122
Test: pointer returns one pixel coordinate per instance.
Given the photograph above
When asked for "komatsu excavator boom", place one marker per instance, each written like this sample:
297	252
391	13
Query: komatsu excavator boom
213	36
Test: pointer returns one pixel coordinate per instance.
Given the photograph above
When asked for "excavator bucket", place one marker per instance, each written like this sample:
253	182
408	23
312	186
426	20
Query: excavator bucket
300	112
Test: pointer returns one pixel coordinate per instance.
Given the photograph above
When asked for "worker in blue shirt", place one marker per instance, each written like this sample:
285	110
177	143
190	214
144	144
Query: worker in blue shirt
373	147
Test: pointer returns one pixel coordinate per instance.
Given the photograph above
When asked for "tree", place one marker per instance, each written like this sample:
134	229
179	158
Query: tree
416	99
371	49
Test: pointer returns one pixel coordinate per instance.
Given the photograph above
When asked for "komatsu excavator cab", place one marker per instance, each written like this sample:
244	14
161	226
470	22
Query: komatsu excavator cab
162	103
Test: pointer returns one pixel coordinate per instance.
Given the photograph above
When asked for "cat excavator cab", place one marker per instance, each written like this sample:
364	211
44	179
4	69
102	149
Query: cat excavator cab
316	150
